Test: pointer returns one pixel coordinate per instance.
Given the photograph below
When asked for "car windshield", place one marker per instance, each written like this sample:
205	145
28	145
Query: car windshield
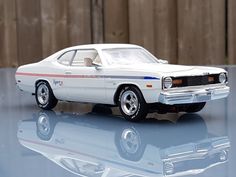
128	56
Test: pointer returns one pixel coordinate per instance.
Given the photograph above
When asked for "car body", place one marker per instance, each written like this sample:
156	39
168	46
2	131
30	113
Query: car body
119	148
121	74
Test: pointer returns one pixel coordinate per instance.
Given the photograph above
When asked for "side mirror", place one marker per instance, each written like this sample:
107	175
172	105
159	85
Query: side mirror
163	61
97	66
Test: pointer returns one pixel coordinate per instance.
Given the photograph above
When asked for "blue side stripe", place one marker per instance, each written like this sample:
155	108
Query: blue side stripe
151	78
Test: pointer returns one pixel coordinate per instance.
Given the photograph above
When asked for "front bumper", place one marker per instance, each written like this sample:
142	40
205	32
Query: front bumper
195	158
193	95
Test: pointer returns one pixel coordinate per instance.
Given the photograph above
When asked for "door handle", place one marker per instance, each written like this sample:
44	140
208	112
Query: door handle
68	72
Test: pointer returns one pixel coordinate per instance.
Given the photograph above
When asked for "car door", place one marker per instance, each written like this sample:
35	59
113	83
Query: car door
85	83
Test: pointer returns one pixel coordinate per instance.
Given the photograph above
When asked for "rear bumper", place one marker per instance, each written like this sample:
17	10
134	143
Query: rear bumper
193	96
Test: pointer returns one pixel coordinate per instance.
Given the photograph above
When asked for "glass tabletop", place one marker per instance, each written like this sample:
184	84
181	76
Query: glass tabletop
95	141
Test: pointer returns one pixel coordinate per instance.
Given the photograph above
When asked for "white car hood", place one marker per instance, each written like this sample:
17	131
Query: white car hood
174	70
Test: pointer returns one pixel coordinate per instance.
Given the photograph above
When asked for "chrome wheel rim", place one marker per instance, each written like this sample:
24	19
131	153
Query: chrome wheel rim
130	141
43	125
129	102
43	94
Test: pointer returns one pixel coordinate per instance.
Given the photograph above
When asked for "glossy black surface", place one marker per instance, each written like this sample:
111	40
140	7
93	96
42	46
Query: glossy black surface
87	140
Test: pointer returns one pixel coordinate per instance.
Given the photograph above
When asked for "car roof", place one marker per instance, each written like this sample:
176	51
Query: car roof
103	46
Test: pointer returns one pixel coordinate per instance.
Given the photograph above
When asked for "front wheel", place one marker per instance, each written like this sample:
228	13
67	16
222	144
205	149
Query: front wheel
44	96
195	107
132	104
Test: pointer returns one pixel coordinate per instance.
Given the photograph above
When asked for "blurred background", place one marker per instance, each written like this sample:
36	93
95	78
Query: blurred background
199	32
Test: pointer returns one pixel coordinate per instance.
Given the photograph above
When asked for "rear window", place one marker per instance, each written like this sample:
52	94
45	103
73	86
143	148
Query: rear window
65	59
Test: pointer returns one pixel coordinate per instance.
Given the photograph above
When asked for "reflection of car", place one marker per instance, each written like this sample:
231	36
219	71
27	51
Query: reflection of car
124	75
85	145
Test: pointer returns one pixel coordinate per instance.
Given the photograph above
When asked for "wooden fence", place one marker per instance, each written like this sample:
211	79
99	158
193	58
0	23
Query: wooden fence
182	31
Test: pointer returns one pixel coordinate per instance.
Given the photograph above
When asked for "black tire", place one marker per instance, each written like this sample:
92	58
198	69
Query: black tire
195	107
138	111
48	101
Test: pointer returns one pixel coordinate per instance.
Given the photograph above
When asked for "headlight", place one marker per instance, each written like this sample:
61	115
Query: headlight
222	78
169	168
167	82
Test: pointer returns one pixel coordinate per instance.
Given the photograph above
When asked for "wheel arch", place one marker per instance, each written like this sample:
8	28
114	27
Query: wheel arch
42	79
119	88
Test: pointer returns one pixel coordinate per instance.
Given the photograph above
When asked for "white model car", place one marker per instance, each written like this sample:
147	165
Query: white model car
124	75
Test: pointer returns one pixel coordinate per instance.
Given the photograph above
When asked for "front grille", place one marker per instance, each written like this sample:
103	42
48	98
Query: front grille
196	80
195	164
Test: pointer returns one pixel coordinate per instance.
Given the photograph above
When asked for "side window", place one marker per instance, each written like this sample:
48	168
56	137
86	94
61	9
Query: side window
66	58
82	54
97	60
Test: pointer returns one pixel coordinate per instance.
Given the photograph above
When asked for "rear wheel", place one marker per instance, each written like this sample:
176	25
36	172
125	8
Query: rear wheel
44	96
45	125
132	104
195	107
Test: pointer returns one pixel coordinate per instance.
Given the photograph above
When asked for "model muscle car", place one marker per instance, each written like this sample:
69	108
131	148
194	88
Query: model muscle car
124	75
